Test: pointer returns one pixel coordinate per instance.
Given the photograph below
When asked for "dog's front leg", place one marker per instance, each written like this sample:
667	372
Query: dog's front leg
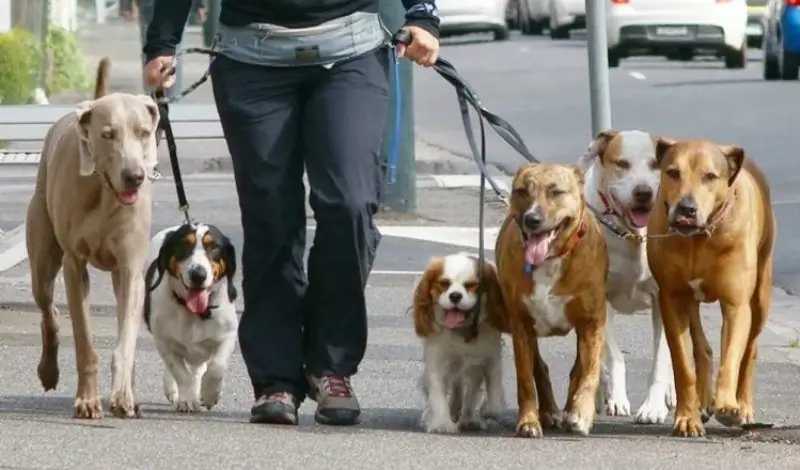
468	416
437	419
661	395
524	341
585	375
615	389
676	312
76	280
129	290
187	400
211	385
736	322
495	404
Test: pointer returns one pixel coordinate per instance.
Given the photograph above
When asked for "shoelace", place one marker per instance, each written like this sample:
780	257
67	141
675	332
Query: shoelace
283	397
336	386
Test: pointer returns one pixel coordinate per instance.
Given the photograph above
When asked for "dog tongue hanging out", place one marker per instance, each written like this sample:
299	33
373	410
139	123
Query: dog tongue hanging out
552	261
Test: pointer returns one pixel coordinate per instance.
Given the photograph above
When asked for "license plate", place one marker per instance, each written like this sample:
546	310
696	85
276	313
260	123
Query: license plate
672	31
754	29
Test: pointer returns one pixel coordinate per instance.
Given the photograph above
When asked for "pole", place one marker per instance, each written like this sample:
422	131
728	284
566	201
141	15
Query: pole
100	11
211	24
402	195
599	94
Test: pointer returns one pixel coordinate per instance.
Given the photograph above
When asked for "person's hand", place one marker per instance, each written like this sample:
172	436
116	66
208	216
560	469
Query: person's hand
201	14
157	72
423	49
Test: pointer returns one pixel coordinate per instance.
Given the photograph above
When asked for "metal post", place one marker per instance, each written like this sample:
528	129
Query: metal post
402	195
211	23
599	94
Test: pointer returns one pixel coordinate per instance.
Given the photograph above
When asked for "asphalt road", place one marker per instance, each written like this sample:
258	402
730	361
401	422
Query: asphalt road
541	87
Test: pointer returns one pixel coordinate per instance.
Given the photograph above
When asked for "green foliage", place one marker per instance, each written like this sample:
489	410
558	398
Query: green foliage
68	63
22	59
20	64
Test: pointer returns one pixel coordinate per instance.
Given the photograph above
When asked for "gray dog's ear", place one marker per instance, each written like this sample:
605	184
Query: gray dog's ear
152	108
84	113
596	148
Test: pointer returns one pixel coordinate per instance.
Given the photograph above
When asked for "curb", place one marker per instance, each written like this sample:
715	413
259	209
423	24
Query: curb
461	181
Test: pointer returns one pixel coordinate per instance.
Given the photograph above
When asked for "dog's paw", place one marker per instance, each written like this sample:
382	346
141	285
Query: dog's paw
48	374
123	405
577	423
210	390
441	426
688	425
493	411
473	423
87	408
552	419
529	429
187	406
652	412
618	406
729	416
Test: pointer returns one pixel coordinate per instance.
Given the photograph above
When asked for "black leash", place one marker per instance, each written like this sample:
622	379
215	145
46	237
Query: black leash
467	98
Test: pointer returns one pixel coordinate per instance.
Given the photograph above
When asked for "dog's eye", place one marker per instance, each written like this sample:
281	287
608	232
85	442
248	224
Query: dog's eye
108	134
556	192
673	173
444	284
710	177
471	285
622	164
654	164
142	133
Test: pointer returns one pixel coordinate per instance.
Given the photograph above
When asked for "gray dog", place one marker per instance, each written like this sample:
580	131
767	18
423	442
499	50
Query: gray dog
92	205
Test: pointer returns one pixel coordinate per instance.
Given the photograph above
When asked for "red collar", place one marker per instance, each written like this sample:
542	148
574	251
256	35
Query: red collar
575	239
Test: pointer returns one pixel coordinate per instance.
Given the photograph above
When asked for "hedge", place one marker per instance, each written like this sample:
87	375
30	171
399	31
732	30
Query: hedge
22	59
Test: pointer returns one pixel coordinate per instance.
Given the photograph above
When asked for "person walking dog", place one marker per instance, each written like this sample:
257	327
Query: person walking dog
302	83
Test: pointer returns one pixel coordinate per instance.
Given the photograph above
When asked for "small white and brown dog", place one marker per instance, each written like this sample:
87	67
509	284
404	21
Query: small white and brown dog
462	343
190	310
622	179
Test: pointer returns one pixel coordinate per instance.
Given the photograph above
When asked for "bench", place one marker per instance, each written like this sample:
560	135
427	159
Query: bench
25	126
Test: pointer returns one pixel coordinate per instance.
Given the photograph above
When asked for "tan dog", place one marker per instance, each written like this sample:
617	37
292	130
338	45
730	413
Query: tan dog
713	232
552	261
91	205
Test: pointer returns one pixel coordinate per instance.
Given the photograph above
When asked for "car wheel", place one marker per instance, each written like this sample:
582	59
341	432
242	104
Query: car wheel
736	58
772	67
561	32
790	66
613	59
502	34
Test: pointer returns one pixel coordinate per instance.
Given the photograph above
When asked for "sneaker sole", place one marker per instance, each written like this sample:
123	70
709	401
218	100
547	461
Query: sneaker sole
272	416
329	421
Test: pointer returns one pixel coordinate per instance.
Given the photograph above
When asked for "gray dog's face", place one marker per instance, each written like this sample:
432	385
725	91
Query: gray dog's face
118	141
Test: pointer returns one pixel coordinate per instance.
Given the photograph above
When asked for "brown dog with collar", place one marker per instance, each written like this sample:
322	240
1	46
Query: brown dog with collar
552	263
711	238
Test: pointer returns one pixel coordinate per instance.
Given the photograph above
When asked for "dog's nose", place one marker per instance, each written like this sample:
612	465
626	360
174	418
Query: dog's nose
532	220
455	297
642	194
686	207
197	275
132	178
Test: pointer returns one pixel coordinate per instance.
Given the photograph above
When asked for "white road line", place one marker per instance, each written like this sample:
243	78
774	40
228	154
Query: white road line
13	249
637	75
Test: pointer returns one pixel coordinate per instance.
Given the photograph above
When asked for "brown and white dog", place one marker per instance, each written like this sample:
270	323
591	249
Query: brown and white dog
552	260
462	344
622	179
712	235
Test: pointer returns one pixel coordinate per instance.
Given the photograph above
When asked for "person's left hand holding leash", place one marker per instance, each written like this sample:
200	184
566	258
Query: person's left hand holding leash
423	48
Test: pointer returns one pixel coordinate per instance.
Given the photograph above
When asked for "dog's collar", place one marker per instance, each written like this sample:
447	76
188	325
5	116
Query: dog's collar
625	232
182	302
572	242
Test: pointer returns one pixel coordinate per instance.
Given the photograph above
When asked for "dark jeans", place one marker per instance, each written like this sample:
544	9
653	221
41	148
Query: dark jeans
276	120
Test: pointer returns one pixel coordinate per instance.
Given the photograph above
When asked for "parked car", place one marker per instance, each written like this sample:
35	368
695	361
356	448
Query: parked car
566	15
473	16
677	29
755	20
533	16
782	40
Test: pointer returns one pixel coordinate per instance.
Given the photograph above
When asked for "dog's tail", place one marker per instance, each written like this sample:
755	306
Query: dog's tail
101	82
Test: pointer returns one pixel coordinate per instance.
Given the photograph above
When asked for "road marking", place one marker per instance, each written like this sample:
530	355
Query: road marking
637	75
13	249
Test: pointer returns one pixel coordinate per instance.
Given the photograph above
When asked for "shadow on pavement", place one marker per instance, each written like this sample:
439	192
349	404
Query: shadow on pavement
735	81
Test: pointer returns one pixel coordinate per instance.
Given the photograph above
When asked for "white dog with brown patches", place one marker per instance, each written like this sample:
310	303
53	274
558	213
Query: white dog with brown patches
462	344
622	179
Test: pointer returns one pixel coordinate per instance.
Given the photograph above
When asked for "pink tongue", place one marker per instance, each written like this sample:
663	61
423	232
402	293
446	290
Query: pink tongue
639	218
537	248
129	196
453	318
197	301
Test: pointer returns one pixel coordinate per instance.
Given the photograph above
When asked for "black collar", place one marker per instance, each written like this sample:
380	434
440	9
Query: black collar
182	302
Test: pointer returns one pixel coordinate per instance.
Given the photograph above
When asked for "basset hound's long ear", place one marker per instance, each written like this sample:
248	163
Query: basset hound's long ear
424	301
